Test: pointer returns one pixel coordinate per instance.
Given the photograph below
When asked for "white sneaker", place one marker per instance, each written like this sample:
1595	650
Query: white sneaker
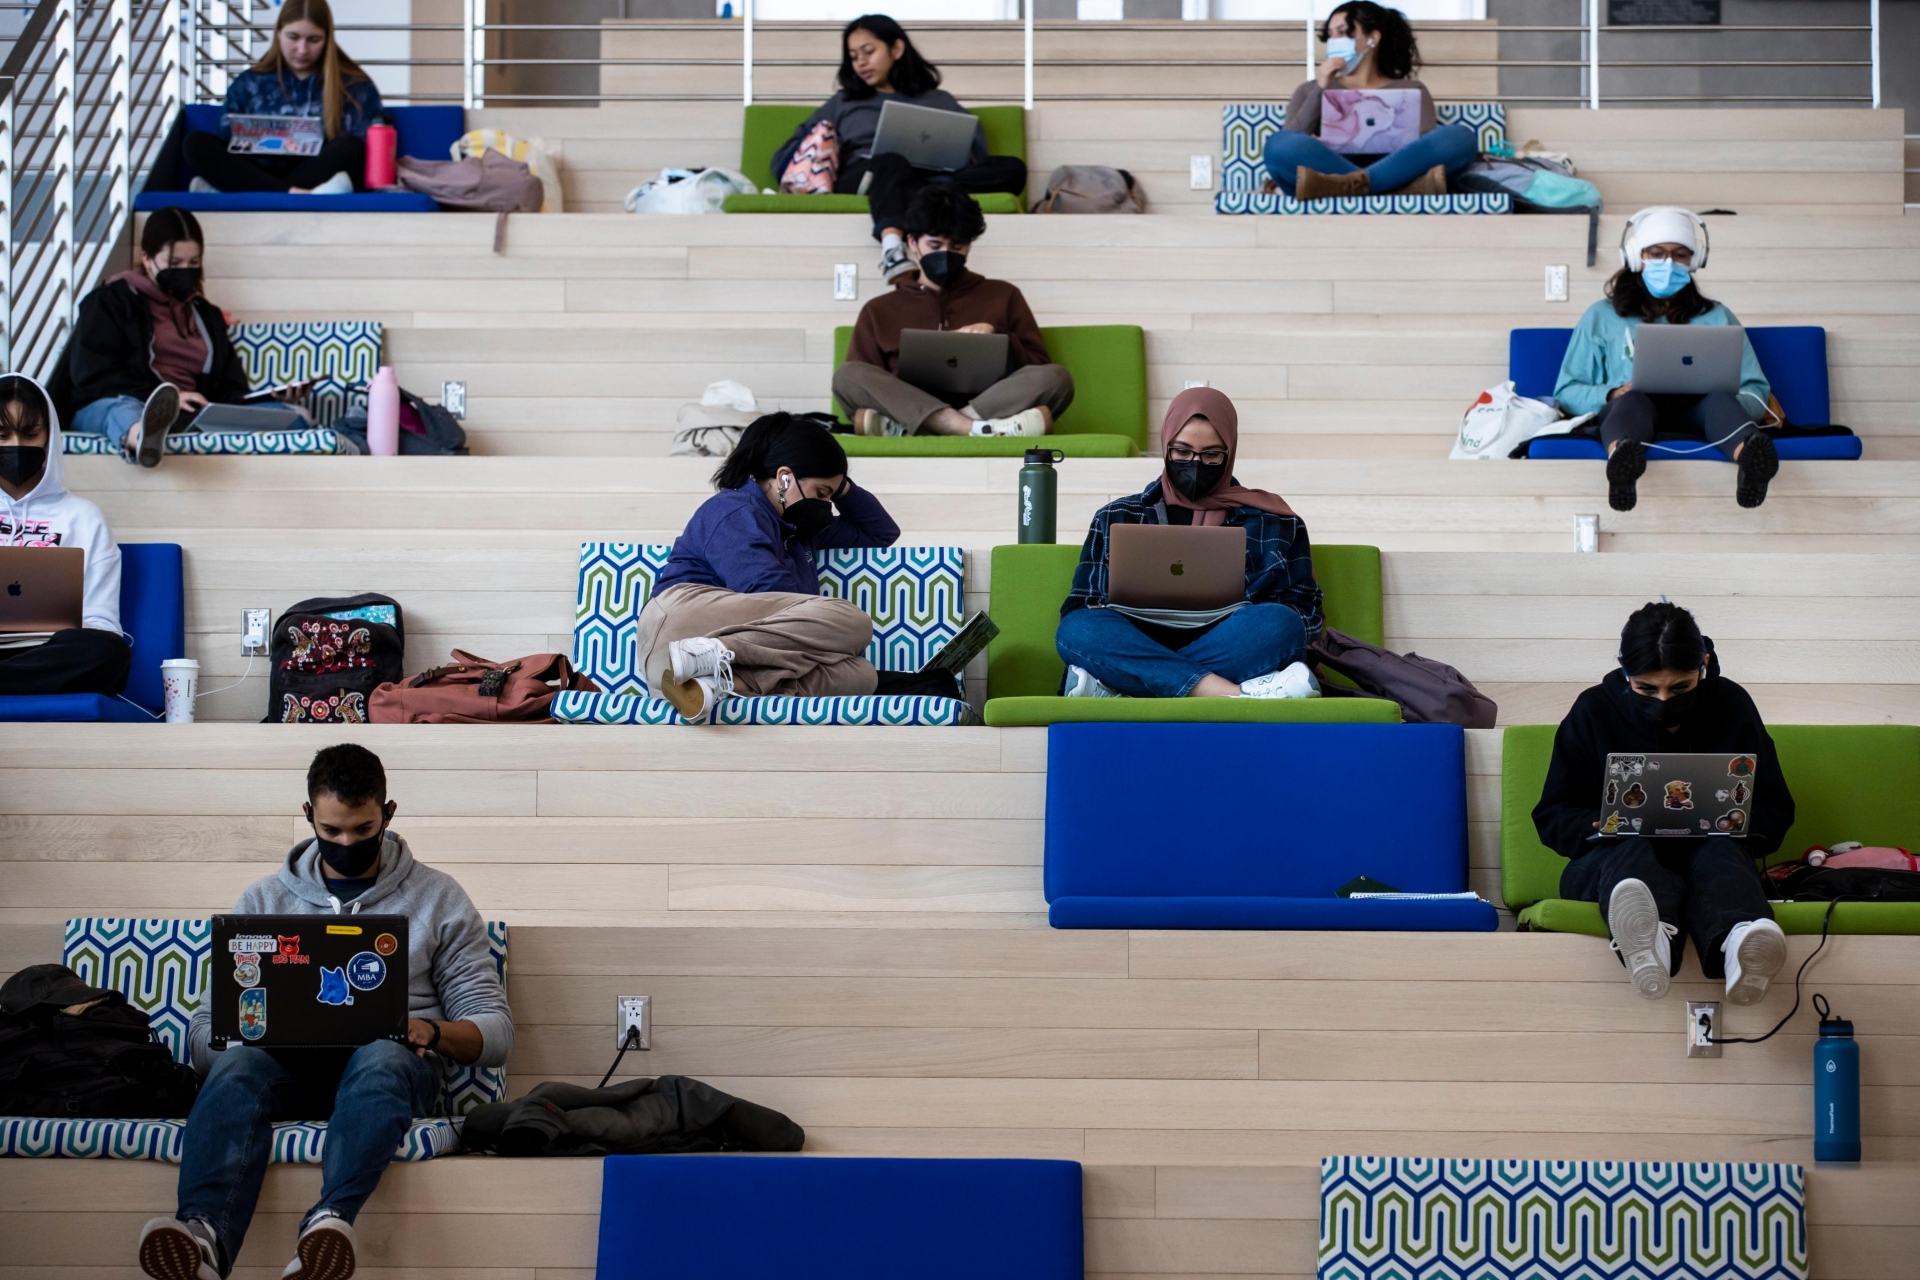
1032	422
872	422
895	263
699	677
1755	951
146	440
174	1250
325	1250
1082	684
700	656
1293	681
1641	938
200	186
338	185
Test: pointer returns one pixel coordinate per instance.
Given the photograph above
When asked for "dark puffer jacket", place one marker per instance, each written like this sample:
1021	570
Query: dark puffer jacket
663	1116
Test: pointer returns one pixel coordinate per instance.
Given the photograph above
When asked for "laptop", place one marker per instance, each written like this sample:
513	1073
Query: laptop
954	366
308	982
276	135
246	417
1369	122
928	137
1176	575
43	592
1681	793
1687	359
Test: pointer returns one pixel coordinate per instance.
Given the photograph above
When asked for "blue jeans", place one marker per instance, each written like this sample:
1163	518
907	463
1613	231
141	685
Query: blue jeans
1451	145
1249	642
382	1088
112	417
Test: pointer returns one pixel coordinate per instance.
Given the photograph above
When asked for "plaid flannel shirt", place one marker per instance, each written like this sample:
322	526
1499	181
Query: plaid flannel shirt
1279	557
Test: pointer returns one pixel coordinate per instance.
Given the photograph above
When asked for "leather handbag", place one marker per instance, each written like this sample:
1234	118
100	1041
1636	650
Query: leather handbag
470	690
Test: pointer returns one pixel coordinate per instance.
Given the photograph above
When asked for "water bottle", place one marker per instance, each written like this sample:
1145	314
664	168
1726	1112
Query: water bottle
383	413
383	144
1836	1088
1039	484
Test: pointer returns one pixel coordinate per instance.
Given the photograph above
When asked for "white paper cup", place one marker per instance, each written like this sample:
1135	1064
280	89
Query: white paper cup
180	680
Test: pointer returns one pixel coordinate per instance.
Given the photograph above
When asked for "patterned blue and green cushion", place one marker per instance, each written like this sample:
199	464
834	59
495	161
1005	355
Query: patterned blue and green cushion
162	967
1245	127
1389	1218
915	596
307	440
339	357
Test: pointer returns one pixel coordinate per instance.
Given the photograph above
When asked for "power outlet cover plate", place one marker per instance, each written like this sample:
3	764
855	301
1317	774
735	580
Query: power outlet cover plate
1703	1025
1556	284
846	281
453	398
1200	173
253	632
633	1011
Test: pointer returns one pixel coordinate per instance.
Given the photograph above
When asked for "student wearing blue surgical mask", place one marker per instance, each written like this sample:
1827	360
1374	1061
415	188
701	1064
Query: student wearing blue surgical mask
1369	46
1660	255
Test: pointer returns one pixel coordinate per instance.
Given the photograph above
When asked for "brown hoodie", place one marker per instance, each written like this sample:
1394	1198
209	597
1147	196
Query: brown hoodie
180	353
969	300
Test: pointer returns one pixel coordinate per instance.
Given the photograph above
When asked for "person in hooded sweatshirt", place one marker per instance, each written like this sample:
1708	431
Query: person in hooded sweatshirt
354	864
148	351
37	511
1668	695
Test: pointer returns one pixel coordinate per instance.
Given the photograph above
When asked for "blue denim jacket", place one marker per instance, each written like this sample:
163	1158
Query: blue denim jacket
256	93
1279	557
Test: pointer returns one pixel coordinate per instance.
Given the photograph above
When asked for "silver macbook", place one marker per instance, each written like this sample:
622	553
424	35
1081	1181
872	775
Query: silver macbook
928	137
1678	793
276	135
1176	575
41	591
954	366
1687	359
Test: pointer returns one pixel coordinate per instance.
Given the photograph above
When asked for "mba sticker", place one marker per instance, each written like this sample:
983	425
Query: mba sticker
366	971
333	987
253	1014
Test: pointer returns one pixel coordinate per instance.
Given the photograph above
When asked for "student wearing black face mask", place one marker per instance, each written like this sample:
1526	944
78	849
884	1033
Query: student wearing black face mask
942	225
738	608
1667	694
148	350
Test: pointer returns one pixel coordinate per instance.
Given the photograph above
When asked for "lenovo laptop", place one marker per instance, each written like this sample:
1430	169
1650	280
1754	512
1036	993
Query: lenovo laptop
1176	575
1687	359
309	981
276	135
928	137
42	593
954	366
1681	793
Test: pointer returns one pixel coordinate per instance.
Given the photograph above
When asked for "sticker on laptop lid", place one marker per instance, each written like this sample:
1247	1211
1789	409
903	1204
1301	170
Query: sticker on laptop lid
259	944
1740	767
386	944
1679	795
366	971
288	951
1635	797
247	972
333	987
253	1013
345	930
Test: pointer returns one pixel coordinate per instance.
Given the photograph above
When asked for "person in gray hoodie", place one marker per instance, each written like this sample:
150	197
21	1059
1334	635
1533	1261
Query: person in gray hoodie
353	865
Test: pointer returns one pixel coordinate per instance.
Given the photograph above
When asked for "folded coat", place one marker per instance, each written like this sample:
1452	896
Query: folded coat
662	1116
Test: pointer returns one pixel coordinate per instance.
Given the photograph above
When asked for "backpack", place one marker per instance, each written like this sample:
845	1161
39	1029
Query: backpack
532	152
1802	883
440	433
487	183
329	655
67	1049
1428	692
472	690
689	191
815	164
1536	185
1091	188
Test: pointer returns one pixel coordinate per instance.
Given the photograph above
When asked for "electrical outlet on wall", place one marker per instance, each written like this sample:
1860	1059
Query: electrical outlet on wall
846	281
453	398
1200	173
253	632
630	1012
1703	1027
1557	283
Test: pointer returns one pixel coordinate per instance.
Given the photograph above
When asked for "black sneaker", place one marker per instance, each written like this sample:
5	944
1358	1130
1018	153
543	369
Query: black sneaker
1625	466
1759	463
147	439
174	1250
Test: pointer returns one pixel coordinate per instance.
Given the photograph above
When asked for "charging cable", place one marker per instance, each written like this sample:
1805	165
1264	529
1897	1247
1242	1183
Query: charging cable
1668	447
627	1042
1825	926
235	685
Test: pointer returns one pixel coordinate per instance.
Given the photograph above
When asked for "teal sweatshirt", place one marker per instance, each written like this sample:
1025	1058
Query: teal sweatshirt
1600	358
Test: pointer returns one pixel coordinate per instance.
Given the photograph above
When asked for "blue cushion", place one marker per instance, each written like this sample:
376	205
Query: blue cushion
1794	358
804	1218
1291	812
1791	449
153	613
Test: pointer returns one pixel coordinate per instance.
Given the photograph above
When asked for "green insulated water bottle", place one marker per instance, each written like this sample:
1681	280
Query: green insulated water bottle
1038	484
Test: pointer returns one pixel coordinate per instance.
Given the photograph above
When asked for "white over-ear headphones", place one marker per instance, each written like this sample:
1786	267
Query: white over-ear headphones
1631	245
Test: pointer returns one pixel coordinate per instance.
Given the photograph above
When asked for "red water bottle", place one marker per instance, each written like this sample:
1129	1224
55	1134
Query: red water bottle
383	144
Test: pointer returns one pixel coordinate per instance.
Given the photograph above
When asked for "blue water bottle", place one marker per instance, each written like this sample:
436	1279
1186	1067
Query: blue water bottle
1836	1088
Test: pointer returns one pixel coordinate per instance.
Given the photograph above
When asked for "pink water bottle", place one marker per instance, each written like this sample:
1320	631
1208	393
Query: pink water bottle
383	414
383	144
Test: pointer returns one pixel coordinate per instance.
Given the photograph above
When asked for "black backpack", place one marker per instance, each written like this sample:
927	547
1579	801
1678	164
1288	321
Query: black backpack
329	655
101	1062
1799	882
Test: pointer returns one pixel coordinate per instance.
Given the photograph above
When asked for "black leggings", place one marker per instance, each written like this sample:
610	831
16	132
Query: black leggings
208	154
1717	416
1704	887
895	182
78	660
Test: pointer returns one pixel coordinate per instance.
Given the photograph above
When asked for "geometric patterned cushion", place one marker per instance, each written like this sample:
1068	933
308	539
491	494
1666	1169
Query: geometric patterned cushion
1383	1217
1281	202
304	440
915	595
294	1142
339	357
1245	127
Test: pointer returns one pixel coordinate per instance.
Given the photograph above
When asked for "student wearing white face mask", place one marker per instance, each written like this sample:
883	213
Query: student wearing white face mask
1369	46
1662	250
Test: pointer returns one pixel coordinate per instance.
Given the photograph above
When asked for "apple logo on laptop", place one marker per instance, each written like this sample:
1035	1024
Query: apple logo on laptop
1177	568
13	588
1686	359
953	362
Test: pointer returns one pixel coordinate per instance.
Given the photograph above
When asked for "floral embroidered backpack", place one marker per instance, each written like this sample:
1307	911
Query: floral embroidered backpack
330	654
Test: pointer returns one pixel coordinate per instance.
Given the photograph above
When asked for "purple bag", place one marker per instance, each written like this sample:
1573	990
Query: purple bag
1428	692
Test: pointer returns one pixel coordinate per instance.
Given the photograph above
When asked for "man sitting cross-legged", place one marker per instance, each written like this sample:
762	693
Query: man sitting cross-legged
458	1012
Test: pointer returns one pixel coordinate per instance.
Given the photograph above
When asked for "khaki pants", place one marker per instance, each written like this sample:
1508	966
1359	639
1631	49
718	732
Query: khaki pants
868	386
782	642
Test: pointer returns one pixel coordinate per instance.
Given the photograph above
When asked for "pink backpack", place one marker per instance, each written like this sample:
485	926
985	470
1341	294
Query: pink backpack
815	163
1851	853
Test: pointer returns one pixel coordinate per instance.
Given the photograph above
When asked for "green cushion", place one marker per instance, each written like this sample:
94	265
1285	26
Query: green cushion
1007	713
1031	581
989	202
1109	367
1849	782
769	124
984	446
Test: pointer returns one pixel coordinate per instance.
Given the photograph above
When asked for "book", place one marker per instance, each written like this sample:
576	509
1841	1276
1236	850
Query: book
965	646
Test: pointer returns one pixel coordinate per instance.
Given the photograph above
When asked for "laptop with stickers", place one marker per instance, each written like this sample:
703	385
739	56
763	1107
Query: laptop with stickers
1678	793
275	135
308	982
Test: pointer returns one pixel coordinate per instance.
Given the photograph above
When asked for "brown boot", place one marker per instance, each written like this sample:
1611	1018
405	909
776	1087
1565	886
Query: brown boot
1311	184
1431	183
